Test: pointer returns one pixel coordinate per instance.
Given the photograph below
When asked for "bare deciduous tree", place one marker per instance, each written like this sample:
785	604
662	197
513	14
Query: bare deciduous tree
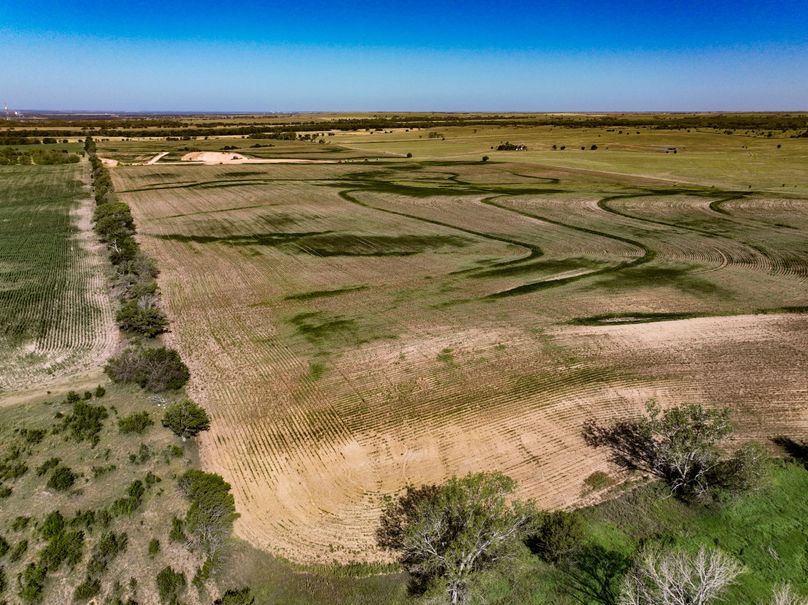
676	577
785	595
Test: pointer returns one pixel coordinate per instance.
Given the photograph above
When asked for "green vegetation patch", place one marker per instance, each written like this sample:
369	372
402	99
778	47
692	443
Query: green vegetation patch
380	182
631	318
656	276
39	258
324	293
241	174
328	243
273	238
318	326
548	266
323	330
764	529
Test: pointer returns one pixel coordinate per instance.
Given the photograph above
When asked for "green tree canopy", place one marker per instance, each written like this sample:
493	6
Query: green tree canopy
446	534
186	419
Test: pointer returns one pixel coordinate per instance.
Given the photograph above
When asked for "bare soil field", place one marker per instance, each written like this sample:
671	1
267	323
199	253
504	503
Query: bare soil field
356	327
218	157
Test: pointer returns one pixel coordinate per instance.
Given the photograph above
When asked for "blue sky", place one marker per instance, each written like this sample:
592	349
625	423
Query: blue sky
233	55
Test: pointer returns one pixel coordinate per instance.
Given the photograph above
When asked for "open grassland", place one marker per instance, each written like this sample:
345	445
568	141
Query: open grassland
123	486
353	327
56	319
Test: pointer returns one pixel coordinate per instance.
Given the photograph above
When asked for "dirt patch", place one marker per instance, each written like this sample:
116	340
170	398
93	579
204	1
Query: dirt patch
157	158
220	157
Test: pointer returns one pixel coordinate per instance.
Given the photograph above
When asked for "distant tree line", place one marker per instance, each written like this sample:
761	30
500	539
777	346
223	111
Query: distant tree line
10	156
150	127
10	137
508	146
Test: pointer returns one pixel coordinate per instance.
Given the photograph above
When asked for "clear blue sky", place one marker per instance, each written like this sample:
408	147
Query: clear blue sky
498	55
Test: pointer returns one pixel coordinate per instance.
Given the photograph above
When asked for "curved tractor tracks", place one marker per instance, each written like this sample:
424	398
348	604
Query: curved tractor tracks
534	251
494	195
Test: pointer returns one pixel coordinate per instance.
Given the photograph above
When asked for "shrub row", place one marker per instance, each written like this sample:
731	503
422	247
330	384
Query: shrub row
135	283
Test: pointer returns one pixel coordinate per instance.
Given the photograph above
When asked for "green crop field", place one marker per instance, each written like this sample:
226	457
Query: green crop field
55	316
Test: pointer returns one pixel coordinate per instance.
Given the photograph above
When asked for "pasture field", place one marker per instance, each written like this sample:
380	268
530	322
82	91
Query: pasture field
35	442
56	318
357	326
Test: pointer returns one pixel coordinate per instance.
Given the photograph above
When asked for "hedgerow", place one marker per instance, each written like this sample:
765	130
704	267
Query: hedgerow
142	316
140	312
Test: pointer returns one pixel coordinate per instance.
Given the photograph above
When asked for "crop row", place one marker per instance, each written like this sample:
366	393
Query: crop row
53	315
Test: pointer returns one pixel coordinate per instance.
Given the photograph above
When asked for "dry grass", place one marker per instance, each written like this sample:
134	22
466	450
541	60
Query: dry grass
96	490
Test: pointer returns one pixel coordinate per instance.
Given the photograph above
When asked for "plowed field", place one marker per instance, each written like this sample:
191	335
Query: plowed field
353	328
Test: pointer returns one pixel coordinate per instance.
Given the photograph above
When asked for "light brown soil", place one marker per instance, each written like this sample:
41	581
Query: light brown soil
416	376
219	157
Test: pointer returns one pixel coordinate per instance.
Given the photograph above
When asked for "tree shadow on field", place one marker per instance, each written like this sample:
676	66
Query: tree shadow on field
630	446
593	577
796	449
